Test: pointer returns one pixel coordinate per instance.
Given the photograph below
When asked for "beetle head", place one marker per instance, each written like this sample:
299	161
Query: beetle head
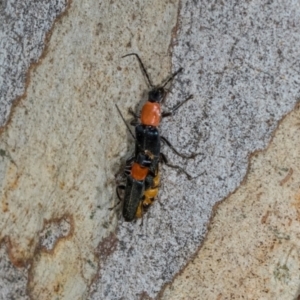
157	95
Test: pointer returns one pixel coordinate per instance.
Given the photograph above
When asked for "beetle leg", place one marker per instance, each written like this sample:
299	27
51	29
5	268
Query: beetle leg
122	187
173	110
174	150
165	161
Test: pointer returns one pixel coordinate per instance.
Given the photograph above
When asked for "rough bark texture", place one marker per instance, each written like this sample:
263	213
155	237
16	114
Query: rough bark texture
65	140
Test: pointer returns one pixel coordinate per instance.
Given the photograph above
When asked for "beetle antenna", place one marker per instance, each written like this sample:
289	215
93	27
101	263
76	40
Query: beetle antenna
142	66
125	122
172	77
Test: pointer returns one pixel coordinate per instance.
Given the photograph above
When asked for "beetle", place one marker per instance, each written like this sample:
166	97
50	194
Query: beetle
140	193
147	155
134	188
146	123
